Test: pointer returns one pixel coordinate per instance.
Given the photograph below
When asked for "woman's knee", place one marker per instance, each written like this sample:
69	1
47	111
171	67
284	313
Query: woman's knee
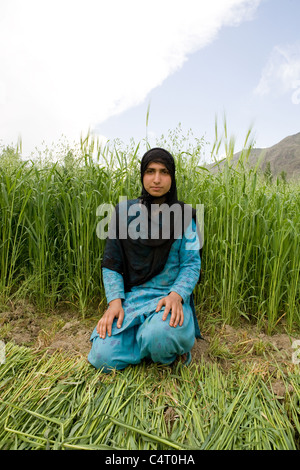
101	354
162	329
114	352
180	338
162	342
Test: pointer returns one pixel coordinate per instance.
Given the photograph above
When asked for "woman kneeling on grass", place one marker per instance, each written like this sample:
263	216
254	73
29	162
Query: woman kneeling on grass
150	267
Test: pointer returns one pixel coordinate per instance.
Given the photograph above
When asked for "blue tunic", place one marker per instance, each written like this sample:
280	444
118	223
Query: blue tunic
143	332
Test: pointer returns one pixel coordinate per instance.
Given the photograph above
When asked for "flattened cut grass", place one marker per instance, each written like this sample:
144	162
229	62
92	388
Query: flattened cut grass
54	402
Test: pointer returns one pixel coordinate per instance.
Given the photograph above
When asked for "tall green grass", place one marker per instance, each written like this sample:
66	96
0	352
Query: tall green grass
50	253
251	256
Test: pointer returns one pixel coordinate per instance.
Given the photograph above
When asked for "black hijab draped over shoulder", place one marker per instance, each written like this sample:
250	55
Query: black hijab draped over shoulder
140	259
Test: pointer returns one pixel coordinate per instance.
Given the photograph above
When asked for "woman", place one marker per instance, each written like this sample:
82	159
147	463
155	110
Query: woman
149	277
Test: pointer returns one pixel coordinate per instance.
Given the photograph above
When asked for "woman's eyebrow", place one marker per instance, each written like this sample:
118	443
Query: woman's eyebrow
157	169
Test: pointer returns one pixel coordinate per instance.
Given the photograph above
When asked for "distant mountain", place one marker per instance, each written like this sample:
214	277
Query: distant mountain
282	157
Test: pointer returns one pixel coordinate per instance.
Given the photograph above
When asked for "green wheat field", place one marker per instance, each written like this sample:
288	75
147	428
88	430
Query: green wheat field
50	254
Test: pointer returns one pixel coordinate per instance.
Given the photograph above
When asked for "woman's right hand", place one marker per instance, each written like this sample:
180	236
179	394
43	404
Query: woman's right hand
115	310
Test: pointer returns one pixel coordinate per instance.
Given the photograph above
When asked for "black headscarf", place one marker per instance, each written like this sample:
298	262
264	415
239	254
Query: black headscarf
139	260
159	155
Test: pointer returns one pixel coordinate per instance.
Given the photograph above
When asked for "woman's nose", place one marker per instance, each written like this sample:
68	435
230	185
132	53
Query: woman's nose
156	177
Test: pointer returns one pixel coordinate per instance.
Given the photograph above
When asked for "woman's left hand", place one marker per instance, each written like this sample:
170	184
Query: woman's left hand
173	303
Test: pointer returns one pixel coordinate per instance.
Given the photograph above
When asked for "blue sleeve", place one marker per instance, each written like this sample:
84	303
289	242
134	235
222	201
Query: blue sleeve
190	264
113	285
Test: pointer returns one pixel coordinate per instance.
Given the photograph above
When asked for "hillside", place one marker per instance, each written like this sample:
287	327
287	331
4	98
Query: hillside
283	157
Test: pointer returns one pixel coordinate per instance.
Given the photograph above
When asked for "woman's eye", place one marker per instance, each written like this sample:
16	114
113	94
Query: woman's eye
151	171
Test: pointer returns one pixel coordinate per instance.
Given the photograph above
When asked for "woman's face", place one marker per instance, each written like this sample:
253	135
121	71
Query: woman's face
157	179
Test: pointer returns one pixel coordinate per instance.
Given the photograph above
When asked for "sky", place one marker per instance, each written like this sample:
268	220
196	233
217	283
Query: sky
69	66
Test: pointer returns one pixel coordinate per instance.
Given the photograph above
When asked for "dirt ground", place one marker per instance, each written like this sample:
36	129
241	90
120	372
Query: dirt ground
66	331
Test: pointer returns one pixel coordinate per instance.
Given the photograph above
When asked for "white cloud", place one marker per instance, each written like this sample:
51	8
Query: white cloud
282	71
66	65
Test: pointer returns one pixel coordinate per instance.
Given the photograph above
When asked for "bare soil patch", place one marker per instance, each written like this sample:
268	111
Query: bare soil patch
61	330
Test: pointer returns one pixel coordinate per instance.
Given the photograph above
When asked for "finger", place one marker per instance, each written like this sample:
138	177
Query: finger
173	316
159	305
103	327
121	318
109	323
102	330
166	312
99	326
100	322
108	328
101	333
179	317
179	314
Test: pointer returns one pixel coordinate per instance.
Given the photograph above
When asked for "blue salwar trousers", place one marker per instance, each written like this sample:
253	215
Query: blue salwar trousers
153	338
